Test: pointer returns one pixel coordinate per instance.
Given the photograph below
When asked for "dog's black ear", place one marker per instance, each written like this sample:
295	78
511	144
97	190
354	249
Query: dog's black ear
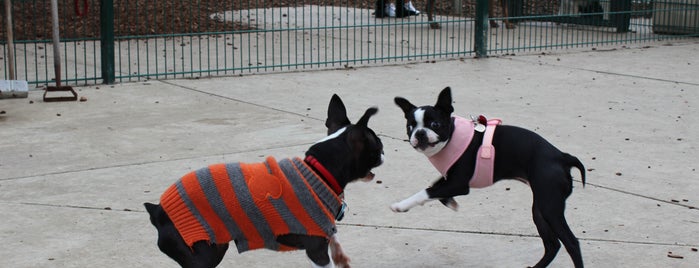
337	115
444	101
364	121
404	105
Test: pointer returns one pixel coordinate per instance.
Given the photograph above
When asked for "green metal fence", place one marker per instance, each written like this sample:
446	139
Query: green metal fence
544	25
119	41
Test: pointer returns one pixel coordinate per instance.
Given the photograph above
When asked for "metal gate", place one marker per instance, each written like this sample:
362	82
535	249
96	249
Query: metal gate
105	41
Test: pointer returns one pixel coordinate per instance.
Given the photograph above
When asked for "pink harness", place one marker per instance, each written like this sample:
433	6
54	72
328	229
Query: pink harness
460	139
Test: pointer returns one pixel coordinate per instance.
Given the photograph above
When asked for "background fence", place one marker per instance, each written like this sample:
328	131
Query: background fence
135	40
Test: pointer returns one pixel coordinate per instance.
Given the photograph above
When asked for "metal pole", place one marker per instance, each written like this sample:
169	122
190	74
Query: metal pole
56	41
107	41
481	29
10	40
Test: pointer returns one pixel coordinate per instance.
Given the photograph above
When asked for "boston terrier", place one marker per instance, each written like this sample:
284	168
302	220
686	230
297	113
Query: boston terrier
280	205
464	151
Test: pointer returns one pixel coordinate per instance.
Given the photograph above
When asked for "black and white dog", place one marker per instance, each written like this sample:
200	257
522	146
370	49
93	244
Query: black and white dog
521	154
285	205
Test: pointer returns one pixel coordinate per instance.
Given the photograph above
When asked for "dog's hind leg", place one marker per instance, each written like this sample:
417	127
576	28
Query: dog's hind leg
569	241
317	250
555	227
169	240
550	194
201	254
551	244
206	255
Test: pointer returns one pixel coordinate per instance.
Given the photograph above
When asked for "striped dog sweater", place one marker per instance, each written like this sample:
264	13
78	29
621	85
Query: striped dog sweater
251	204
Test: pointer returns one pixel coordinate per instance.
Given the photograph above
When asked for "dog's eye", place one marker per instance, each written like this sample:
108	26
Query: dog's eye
435	125
410	128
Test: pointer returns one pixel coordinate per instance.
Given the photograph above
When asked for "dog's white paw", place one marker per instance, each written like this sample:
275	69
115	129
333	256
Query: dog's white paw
396	207
341	261
417	199
337	254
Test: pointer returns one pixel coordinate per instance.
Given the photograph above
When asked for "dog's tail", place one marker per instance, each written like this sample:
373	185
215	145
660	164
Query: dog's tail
572	161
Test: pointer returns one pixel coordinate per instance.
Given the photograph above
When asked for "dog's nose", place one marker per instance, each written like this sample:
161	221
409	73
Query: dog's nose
421	136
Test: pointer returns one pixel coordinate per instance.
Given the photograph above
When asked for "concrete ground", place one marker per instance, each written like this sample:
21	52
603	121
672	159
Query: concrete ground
73	176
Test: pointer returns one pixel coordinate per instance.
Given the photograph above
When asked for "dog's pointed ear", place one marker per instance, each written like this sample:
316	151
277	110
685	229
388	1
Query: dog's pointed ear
404	105
364	121
444	101
337	115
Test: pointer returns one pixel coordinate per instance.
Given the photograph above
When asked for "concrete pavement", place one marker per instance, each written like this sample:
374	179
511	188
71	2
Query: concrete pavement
73	176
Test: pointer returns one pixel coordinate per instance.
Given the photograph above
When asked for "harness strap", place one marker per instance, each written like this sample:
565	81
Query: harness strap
485	162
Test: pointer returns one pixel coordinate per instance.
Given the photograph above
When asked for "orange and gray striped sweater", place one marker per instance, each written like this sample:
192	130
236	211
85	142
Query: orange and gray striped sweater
251	204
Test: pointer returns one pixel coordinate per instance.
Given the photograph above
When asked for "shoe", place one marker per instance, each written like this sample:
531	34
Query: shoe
410	9
390	10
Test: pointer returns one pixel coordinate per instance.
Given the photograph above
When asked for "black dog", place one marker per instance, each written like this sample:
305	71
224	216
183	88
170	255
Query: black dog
521	154
285	205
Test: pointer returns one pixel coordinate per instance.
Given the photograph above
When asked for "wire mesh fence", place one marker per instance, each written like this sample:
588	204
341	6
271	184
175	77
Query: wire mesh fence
188	39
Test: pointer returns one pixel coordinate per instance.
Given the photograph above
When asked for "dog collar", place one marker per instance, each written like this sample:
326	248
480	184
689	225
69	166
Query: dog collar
327	176
341	214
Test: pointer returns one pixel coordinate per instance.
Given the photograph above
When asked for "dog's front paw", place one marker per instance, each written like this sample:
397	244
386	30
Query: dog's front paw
417	199
396	207
337	254
341	261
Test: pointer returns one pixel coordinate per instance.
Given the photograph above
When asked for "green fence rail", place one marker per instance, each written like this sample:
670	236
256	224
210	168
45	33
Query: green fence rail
106	41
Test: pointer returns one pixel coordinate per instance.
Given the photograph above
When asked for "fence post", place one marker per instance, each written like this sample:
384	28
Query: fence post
107	40
481	29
